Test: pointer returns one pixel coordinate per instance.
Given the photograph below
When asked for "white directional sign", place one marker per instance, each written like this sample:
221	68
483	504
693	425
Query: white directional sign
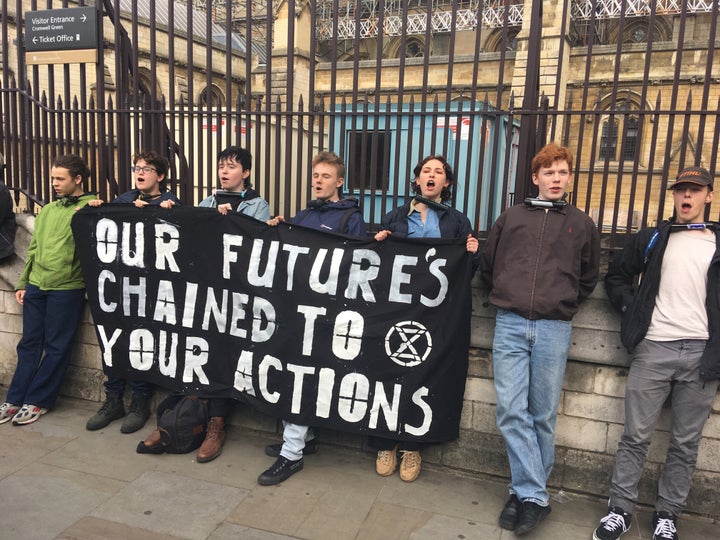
61	29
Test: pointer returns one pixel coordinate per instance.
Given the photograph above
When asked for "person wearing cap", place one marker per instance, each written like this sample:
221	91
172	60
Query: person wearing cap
541	259
671	325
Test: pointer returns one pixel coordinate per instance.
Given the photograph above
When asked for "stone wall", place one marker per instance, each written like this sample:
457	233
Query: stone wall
589	424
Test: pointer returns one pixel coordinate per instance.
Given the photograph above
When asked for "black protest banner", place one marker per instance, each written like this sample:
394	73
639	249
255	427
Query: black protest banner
316	328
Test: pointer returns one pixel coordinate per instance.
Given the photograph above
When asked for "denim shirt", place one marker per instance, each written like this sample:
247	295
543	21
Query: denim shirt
429	229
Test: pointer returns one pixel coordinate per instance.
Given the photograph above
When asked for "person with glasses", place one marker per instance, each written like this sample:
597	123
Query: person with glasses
150	170
671	325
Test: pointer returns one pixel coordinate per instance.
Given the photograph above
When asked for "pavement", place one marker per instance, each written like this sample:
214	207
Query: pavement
59	481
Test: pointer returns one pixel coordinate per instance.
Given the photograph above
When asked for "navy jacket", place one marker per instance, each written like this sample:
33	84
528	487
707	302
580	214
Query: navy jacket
329	216
453	224
132	195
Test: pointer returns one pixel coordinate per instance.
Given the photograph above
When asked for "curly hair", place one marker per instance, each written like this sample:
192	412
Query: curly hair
446	192
161	164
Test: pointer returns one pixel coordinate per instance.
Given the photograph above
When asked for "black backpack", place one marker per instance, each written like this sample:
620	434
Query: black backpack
183	427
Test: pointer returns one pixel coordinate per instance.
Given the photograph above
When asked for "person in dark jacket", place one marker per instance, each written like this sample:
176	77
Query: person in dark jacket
540	261
424	216
8	225
150	170
329	212
671	324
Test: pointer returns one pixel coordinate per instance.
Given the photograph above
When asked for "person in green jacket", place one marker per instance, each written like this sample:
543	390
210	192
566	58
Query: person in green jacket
51	291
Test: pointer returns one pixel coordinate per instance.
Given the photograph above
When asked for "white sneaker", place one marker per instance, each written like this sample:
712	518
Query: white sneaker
28	414
7	411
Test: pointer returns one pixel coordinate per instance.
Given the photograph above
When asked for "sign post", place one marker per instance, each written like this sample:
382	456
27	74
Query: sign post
61	36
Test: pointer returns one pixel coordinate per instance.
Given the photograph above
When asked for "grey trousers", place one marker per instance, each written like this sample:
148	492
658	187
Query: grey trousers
660	369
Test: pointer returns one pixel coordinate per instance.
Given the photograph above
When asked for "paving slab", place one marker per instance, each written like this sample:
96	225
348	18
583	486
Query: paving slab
91	528
171	504
40	501
61	482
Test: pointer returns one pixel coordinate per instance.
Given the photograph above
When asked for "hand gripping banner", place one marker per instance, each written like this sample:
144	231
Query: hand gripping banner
315	328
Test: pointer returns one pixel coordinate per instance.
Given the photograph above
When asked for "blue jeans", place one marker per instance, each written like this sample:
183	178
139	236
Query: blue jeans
50	319
529	360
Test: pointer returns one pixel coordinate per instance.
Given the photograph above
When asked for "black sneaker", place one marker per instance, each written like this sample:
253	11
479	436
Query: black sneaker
112	409
511	512
138	414
664	526
273	450
280	471
614	525
530	515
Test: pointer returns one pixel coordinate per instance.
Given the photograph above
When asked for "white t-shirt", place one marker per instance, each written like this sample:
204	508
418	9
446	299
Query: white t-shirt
680	311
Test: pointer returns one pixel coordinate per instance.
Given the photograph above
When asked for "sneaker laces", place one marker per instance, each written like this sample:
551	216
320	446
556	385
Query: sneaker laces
279	465
410	459
105	407
613	521
137	405
384	456
665	528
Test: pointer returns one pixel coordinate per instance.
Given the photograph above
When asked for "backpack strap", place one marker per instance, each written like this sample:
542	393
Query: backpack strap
346	217
651	244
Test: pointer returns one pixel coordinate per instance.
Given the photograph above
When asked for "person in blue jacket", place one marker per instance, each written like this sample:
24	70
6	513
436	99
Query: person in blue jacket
426	215
150	170
234	165
331	213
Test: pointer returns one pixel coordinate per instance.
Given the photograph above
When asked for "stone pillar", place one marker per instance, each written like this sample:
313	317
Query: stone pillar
552	66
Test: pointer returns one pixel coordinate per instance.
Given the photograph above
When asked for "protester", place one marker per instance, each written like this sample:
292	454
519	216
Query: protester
426	216
8	225
150	171
540	261
671	324
234	166
329	212
51	291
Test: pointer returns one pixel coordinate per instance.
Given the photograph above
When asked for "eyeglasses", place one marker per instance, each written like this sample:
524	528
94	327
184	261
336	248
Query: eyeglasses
142	169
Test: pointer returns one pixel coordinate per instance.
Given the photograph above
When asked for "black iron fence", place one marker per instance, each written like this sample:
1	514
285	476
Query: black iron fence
633	88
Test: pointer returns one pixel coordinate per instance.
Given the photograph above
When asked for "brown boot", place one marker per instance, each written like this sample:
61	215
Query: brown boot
151	445
214	439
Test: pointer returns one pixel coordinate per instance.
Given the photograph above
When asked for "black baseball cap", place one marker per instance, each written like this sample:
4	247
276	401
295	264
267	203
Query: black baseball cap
693	175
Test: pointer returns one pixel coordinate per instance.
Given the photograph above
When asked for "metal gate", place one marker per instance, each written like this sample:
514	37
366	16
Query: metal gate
632	88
